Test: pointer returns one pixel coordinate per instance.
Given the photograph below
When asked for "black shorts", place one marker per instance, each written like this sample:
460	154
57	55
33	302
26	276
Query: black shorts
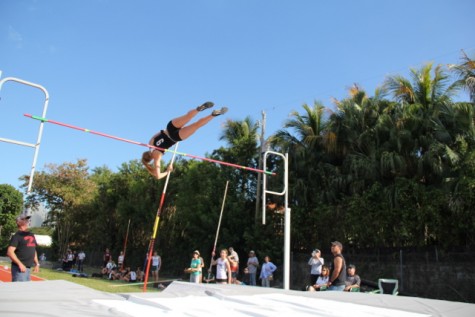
164	141
173	132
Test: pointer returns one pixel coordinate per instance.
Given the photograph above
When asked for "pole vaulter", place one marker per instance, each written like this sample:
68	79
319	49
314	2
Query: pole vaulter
155	225
148	145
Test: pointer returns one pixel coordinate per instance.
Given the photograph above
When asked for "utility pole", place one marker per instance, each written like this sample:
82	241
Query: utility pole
259	176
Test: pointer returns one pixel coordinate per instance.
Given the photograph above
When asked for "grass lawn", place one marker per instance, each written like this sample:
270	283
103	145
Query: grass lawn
95	283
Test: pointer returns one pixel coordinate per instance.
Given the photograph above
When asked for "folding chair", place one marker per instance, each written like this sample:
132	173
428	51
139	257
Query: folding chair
387	286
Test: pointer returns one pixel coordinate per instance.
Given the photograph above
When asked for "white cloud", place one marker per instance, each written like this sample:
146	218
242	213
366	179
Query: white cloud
15	37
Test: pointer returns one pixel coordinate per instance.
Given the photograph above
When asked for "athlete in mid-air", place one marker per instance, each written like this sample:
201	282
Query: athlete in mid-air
176	131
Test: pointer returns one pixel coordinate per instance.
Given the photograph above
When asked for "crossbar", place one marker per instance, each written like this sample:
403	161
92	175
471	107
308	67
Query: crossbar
148	145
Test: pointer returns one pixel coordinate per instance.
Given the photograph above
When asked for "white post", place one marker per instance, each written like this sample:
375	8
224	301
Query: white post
40	132
284	193
287	229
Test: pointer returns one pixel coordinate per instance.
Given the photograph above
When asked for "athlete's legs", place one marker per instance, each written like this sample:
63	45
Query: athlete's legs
187	131
181	121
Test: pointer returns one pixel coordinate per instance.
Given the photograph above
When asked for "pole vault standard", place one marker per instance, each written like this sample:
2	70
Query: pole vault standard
285	193
146	145
40	131
217	230
155	225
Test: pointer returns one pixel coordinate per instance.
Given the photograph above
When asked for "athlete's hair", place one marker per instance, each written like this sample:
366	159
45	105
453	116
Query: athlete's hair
146	159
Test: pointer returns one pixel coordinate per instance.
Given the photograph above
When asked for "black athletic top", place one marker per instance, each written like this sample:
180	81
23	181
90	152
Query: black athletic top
25	244
340	280
162	141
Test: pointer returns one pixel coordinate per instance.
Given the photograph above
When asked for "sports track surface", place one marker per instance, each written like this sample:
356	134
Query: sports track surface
6	275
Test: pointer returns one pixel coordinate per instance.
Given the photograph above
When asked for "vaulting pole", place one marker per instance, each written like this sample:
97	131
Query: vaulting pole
147	145
217	230
155	225
125	243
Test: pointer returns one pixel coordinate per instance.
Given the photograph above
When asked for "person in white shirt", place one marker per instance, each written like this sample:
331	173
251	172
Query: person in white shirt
223	268
120	260
322	281
316	262
156	265
81	258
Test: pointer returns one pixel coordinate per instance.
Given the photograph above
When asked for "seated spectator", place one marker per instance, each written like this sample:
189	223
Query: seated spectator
352	279
322	280
110	266
131	276
124	272
114	274
140	274
246	275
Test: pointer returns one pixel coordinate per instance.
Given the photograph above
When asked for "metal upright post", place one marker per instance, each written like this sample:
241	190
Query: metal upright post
40	132
284	193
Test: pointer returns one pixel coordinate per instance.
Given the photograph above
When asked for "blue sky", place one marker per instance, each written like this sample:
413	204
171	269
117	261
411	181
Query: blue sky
127	67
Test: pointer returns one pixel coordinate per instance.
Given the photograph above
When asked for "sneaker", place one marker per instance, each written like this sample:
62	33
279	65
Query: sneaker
205	106
219	112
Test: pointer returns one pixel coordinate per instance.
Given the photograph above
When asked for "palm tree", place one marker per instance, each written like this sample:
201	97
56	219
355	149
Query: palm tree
422	101
465	73
241	137
303	137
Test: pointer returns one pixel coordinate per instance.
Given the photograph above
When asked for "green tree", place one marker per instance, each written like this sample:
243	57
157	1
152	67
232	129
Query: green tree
64	189
465	72
11	204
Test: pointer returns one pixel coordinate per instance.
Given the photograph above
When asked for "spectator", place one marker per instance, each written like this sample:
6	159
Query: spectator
64	265
252	266
223	269
80	261
42	257
233	254
353	281
106	257
246	276
75	258
156	265
110	266
114	274
316	262
338	270
130	276
322	280
140	274
195	267
68	260
267	271
120	260
234	264
22	251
